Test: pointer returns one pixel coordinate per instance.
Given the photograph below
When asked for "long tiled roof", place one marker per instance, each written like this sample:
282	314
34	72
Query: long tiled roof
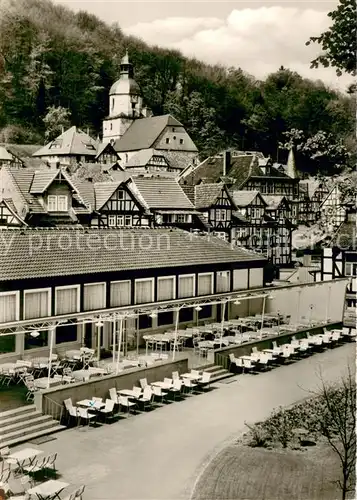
51	253
142	158
160	192
143	133
207	194
103	191
72	142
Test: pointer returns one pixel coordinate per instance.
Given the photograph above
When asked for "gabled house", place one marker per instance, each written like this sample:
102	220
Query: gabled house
114	205
149	161
162	133
74	146
340	257
250	204
43	197
9	216
165	199
279	209
216	206
21	155
332	211
8	158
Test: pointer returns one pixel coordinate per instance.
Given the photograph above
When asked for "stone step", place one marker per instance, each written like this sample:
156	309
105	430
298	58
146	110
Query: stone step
18	418
36	419
5	415
221	374
22	434
33	435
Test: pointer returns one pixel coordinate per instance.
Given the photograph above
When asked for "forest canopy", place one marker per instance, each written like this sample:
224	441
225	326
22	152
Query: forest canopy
51	57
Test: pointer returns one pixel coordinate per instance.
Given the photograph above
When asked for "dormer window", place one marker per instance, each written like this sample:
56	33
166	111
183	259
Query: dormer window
167	140
90	146
57	203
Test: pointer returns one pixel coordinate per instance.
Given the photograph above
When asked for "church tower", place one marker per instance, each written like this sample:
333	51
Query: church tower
125	103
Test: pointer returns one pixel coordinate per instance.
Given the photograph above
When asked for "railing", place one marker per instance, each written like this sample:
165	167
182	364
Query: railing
52	408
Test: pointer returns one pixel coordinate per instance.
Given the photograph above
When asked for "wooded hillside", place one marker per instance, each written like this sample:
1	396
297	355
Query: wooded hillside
51	56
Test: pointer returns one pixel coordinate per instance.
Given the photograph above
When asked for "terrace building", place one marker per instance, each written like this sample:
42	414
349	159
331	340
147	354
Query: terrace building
75	280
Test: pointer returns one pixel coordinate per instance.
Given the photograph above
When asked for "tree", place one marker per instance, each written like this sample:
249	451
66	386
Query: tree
337	423
339	42
56	119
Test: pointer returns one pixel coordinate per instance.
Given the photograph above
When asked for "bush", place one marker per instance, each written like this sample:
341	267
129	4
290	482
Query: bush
258	436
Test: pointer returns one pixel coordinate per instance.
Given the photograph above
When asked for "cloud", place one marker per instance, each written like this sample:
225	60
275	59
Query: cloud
257	40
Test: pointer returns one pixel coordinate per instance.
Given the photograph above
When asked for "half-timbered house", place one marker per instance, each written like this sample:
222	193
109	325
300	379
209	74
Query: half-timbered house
43	197
216	206
340	258
149	161
9	216
51	276
332	211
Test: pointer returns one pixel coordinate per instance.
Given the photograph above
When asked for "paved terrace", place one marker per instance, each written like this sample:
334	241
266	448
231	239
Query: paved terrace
159	455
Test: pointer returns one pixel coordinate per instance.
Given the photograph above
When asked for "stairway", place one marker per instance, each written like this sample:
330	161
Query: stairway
216	371
25	423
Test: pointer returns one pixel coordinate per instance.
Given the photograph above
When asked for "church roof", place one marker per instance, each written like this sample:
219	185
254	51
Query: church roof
72	142
125	86
143	132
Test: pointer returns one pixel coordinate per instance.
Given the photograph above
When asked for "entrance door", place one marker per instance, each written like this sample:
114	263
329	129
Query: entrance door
88	335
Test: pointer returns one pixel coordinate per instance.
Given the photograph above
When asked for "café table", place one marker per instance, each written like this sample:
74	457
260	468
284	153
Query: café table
26	456
129	393
42	382
90	404
48	490
191	376
162	384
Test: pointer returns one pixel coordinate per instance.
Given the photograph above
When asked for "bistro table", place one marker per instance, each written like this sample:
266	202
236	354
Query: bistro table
191	376
162	384
90	404
42	383
49	490
20	457
129	393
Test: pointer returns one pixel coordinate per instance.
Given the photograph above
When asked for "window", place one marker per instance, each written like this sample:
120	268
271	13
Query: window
145	322
66	333
120	220
165	318
223	281
112	102
166	288
186	286
144	290
182	217
206	312
62	203
166	218
9	311
9	306
350	269
186	315
167	140
111	220
128	220
37	304
181	141
205	284
256	278
240	279
67	299
120	194
94	296
120	293
173	130
221	215
52	203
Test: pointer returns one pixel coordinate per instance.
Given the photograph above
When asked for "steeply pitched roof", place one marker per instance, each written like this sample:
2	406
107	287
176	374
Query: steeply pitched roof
242	197
42	179
24	152
86	191
345	237
211	170
273	201
9	204
103	191
143	132
98	172
5	155
143	157
158	192
126	251
207	194
72	142
23	179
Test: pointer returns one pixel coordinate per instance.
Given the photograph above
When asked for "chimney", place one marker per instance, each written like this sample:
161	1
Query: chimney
87	130
226	162
62	129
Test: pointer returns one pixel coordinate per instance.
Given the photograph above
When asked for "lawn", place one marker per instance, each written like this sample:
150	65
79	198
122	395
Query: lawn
243	473
12	397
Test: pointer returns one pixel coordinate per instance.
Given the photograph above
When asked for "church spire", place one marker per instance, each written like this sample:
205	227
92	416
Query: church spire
291	167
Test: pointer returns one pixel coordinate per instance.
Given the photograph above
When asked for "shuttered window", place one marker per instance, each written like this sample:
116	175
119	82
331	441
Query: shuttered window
9	307
223	283
37	304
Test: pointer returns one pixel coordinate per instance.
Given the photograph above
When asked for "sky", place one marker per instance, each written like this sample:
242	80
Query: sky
257	36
